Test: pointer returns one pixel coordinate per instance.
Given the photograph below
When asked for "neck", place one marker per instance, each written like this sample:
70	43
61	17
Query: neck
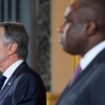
93	41
4	65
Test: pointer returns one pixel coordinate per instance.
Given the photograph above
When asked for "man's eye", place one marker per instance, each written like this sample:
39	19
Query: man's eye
68	21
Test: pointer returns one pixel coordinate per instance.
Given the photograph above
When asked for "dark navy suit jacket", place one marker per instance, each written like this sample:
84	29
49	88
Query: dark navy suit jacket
25	87
89	87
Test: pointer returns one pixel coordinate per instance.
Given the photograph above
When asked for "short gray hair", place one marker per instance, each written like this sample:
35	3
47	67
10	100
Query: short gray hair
16	33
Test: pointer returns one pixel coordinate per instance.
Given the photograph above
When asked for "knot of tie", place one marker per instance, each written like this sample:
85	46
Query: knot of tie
2	80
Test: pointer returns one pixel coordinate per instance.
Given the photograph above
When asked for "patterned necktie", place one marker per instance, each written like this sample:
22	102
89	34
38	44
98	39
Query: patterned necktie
2	80
75	75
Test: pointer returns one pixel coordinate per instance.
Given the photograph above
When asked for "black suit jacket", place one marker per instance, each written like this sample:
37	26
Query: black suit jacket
25	87
89	87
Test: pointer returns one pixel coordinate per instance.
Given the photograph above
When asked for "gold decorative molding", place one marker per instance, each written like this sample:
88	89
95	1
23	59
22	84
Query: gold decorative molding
51	98
75	61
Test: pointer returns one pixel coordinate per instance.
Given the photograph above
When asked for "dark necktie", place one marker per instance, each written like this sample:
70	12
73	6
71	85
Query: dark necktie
76	74
2	80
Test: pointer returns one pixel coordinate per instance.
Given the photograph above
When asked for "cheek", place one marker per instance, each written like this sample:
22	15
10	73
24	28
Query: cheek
3	54
75	39
76	33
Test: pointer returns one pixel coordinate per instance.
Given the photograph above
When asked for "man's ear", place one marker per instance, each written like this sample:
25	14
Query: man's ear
90	28
12	48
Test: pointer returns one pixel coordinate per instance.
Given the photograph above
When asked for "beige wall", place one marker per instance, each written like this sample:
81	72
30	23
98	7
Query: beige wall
62	63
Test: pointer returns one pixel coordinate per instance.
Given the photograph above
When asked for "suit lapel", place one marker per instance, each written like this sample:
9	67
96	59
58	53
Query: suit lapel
62	96
71	91
6	87
11	80
100	57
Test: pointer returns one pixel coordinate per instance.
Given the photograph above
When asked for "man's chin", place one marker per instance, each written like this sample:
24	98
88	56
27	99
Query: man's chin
71	52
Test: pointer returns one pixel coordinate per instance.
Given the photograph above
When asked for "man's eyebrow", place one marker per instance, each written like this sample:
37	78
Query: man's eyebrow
68	18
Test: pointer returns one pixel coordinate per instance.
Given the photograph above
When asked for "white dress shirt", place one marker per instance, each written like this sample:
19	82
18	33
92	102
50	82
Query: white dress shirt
91	54
8	73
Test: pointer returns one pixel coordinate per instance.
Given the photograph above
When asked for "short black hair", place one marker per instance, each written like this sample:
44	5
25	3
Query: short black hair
97	14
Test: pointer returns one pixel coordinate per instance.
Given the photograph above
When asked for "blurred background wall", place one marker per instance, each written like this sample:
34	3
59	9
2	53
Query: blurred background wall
41	19
62	64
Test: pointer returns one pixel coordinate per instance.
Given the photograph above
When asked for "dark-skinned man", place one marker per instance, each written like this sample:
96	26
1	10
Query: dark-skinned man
83	34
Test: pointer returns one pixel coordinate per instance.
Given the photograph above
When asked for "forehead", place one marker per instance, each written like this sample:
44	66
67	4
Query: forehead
70	13
72	8
68	10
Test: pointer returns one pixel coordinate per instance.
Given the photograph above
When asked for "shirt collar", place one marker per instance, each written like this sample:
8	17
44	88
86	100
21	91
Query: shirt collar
91	54
12	68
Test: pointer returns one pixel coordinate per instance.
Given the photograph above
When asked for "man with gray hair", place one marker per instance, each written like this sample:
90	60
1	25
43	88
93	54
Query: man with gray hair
19	84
